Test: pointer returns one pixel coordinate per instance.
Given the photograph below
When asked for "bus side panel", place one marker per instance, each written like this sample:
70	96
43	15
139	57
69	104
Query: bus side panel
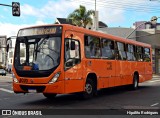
132	68
99	68
105	71
140	67
73	79
125	73
122	72
118	80
73	85
148	70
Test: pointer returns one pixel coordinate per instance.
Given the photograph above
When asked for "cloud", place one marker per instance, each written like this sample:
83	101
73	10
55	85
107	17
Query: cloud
51	9
62	8
12	29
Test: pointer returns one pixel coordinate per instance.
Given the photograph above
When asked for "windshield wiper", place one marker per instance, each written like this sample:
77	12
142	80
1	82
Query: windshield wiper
37	49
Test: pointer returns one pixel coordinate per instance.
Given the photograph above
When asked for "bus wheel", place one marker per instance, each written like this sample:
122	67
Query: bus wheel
89	89
135	82
49	95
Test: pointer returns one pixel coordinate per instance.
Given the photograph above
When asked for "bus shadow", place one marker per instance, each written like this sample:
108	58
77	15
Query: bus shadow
69	99
119	90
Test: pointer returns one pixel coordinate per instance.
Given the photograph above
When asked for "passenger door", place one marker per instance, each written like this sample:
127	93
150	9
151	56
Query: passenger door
72	66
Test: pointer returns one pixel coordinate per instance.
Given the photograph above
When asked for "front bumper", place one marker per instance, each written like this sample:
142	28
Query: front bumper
57	87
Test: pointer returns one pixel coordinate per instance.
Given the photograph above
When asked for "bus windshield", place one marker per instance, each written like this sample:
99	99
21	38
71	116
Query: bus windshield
37	53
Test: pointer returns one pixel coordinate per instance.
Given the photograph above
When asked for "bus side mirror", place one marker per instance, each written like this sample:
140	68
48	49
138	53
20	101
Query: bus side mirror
73	45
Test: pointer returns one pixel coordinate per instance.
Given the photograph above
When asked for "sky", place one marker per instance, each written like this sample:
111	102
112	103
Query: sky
115	13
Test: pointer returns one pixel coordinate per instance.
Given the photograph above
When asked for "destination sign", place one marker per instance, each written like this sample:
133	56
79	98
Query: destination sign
40	31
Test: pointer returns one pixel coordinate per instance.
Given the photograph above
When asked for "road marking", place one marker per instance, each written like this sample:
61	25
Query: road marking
154	81
4	85
154	104
6	90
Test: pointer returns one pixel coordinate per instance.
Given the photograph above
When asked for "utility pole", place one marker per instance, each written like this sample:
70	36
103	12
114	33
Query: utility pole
95	5
95	18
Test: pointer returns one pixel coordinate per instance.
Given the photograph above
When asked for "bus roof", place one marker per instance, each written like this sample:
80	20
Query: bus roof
95	33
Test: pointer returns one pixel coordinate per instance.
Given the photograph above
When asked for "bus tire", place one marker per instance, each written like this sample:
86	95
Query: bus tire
90	89
134	86
49	95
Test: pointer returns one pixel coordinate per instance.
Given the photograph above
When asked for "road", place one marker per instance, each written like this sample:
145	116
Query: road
146	97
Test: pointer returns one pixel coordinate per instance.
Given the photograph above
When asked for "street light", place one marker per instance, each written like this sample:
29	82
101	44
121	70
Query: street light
153	21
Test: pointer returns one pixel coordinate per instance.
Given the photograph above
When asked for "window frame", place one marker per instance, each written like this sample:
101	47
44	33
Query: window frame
117	51
148	54
111	49
65	68
99	40
131	51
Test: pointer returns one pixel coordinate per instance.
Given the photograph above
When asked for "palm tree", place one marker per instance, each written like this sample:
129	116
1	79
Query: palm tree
81	16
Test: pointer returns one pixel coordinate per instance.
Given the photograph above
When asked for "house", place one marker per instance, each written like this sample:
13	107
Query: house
69	21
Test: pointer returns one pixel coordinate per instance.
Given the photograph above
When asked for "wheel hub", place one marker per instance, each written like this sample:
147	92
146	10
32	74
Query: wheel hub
88	88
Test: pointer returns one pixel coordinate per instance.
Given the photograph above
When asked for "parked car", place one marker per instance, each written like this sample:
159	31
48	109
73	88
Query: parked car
2	72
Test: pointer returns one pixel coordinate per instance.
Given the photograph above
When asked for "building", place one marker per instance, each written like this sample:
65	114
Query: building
3	54
119	31
63	21
11	42
69	21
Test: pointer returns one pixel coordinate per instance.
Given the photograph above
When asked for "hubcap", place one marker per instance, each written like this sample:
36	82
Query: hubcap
88	88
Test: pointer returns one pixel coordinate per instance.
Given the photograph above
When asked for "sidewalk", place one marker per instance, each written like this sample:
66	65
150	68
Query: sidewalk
157	76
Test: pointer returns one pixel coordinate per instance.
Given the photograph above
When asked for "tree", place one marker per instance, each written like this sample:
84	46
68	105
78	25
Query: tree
81	16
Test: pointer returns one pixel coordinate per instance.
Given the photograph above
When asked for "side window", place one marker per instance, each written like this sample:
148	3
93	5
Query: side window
72	52
121	54
108	49
131	52
92	47
139	53
146	55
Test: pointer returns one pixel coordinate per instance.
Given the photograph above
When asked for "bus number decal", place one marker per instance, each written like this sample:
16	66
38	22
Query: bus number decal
22	80
109	65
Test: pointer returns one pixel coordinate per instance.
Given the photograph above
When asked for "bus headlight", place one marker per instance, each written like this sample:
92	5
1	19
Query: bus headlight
14	78
55	78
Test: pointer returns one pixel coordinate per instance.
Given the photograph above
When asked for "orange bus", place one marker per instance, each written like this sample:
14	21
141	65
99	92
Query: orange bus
61	59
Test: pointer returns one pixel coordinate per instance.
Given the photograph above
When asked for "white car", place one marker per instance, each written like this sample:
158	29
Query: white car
2	72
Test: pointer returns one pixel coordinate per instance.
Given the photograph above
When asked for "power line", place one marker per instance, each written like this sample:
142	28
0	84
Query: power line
118	6
128	6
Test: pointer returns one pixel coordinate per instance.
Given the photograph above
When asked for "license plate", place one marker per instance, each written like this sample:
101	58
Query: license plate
32	90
